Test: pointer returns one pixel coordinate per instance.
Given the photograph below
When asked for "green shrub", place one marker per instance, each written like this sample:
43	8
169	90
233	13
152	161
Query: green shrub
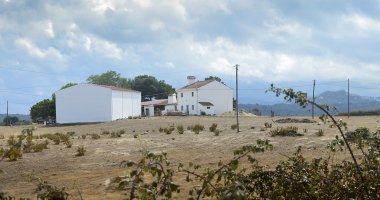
216	132
305	130
320	132
203	113
213	127
39	147
233	127
56	140
2	137
252	127
105	133
95	136
83	136
190	127
262	129
81	151
122	131
267	125
71	133
161	129
114	135
180	129
68	143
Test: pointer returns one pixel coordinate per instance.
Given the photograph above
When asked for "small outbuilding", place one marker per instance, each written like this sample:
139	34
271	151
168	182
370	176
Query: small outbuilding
96	103
149	108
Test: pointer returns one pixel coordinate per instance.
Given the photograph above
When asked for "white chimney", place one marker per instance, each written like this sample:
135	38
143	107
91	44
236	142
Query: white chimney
191	80
172	98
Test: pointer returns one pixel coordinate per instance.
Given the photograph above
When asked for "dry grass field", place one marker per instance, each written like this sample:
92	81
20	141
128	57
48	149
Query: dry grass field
96	170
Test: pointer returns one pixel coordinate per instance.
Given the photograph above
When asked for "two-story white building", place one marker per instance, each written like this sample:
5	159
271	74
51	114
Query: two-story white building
211	97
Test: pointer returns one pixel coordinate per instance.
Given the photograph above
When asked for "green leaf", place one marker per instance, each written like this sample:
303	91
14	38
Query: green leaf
133	173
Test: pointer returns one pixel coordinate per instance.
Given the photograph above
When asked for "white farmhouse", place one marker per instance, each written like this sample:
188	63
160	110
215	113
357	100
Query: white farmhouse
211	97
164	105
96	103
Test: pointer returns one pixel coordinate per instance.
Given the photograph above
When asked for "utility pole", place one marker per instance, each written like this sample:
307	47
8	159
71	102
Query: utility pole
348	98
313	100
7	115
237	99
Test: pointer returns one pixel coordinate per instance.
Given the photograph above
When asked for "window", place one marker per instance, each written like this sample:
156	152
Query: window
181	108
192	106
192	94
208	107
181	94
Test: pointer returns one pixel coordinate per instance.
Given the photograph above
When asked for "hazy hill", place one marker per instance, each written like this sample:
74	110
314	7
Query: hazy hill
20	117
339	99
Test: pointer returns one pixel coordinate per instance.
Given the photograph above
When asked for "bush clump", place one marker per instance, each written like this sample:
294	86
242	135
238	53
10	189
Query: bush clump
12	140
233	127
197	128
180	129
81	151
320	132
213	127
288	131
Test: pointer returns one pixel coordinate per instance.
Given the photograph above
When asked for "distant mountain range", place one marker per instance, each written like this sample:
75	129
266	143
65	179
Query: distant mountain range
338	99
20	117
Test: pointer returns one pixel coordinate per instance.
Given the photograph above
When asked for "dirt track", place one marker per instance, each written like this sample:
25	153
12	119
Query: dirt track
100	165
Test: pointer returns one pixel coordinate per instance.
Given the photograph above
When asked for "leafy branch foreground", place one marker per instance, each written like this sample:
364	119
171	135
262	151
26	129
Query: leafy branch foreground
295	178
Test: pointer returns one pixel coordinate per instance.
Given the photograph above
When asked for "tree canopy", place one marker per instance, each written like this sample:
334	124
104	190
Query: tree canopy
214	78
46	108
151	88
110	78
12	120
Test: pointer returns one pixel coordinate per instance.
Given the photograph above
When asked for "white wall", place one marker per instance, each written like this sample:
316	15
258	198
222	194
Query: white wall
83	103
188	99
207	111
151	110
124	104
218	94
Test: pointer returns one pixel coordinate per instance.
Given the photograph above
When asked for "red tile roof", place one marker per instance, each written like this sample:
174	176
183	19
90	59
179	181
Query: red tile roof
116	88
197	84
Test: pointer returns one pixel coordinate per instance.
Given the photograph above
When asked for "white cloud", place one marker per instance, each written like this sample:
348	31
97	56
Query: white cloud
109	49
87	45
169	65
51	52
143	3
280	26
362	22
157	25
102	5
50	30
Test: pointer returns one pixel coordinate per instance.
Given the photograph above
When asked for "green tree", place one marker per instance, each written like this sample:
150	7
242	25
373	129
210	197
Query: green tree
12	120
214	78
110	78
151	88
256	111
46	108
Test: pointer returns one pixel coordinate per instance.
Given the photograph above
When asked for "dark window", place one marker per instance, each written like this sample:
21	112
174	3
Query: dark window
181	94
192	94
181	108
208	107
192	106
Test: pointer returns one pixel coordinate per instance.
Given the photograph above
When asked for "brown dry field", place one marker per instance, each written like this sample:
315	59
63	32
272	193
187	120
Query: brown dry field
100	165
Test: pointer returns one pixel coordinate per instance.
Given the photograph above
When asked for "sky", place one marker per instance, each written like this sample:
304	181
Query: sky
46	44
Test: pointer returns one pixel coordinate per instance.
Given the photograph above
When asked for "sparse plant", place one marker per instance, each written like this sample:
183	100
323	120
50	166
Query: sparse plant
190	127
233	127
129	117
68	143
114	135
216	132
267	125
56	140
81	151
153	130
14	153
105	133
133	131
320	132
213	127
39	147
262	129
305	130
2	137
136	135
11	140
71	133
252	127
95	136
147	130
122	131
83	136
197	128
180	129
161	129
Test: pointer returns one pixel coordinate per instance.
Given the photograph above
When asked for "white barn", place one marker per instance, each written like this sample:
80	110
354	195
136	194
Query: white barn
211	97
96	103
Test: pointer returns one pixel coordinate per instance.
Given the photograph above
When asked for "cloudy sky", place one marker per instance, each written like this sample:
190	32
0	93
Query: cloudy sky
46	44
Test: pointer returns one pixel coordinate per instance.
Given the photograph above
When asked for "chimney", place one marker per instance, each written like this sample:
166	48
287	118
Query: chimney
172	98
191	80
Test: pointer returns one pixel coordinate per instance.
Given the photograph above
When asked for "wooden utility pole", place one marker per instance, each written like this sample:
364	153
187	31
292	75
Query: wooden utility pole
313	100
7	115
348	98
237	99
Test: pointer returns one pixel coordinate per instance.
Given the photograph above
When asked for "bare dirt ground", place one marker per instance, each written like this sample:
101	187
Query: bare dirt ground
96	170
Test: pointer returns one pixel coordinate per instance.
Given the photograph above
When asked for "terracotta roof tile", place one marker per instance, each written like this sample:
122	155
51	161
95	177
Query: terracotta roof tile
197	84
206	103
116	88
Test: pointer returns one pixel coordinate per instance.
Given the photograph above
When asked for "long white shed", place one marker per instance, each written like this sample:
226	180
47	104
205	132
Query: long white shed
96	103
